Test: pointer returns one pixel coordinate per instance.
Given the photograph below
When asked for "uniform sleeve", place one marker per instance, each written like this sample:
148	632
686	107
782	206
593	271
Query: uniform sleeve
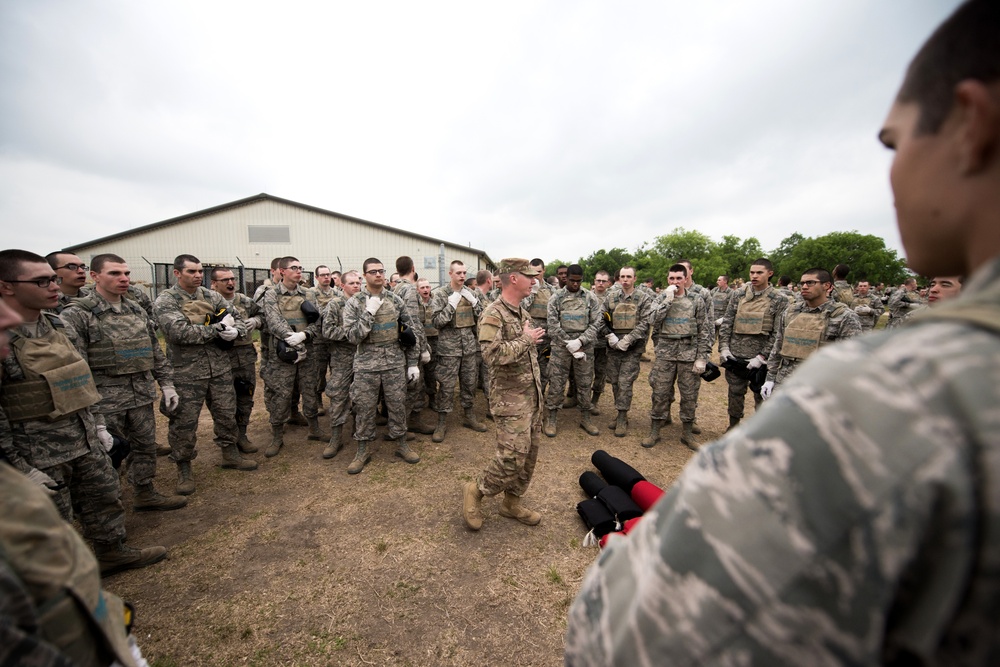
333	328
412	304
657	313
594	320
176	327
498	351
641	318
779	305
706	332
849	325
357	320
76	329
774	358
554	320
442	312
277	326
412	353
163	372
726	330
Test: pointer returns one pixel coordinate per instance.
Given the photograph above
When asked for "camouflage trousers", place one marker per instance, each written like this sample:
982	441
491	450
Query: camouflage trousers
318	362
364	395
338	386
543	361
429	370
138	426
623	370
265	352
737	394
662	377
220	397
280	385
91	490
513	464
484	381
786	367
600	369
245	386
461	370
563	366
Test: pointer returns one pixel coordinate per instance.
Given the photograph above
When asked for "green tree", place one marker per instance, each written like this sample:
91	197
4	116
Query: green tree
607	260
866	254
681	243
779	256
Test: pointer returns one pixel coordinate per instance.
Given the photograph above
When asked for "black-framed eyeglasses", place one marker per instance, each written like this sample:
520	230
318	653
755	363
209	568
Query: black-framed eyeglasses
293	268
41	282
375	272
808	283
73	267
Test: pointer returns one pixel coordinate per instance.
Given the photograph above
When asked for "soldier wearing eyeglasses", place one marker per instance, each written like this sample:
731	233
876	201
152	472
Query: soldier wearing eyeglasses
72	273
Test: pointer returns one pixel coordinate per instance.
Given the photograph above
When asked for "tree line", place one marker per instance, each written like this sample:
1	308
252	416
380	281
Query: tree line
866	254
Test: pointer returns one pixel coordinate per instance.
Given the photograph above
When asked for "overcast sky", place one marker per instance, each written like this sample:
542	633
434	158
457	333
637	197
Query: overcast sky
545	129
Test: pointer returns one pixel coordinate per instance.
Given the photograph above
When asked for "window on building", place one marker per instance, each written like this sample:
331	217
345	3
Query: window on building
269	234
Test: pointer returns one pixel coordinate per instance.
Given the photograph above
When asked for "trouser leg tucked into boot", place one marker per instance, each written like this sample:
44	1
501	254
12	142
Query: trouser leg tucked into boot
472	509
185	480
470	421
695	428
654	434
243	442
512	508
361	458
232	459
587	424
148	499
334	445
314	430
550	429
593	404
277	440
404	452
117	556
441	427
621	426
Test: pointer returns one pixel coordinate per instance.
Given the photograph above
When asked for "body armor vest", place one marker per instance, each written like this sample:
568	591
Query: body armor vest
57	381
385	330
290	307
245	314
540	305
753	315
806	332
428	316
323	299
130	350
573	315
680	321
623	318
465	316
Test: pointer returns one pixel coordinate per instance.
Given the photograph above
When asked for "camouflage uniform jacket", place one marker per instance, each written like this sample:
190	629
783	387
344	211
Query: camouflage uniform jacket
39	443
720	299
748	346
88	321
358	324
843	293
277	325
593	306
842	323
245	355
65	300
873	302
602	329
903	303
642	303
407	291
706	295
333	331
682	349
189	346
854	520
141	298
453	342
511	359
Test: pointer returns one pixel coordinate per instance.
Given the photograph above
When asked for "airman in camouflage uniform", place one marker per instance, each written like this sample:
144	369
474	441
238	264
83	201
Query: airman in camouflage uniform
72	271
371	321
406	290
428	370
115	337
283	311
258	298
537	305
856	519
805	327
456	309
318	359
683	335
48	429
842	291
868	306
720	300
749	326
627	308
243	354
904	302
202	369
338	387
509	342
575	323
602	282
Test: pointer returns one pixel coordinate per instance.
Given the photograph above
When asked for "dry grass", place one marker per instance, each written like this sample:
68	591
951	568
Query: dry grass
298	563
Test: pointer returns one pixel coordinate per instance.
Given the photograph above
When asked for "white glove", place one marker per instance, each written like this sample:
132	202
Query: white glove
412	374
252	323
372	304
535	286
574	345
718	322
425	357
106	440
295	338
469	296
580	355
170	398
228	321
228	333
42	480
612	339
757	362
726	355
455	298
668	295
623	344
766	389
699	366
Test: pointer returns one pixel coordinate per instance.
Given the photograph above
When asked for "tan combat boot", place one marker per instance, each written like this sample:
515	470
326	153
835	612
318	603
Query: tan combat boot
185	480
413	424
442	427
314	431
243	442
404	452
277	440
361	459
233	460
147	499
334	445
687	438
551	426
654	434
621	425
695	428
512	509
117	556
472	508
587	424
470	421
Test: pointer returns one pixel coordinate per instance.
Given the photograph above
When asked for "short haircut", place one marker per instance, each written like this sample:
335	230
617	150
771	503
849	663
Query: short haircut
422	280
53	257
562	266
821	274
685	262
347	275
724	277
966	46
483	277
784	281
216	270
404	265
454	262
618	273
275	262
910	281
604	273
321	266
574	270
470	282
678	268
335	273
181	260
11	262
536	262
765	262
841	271
286	261
99	261
368	262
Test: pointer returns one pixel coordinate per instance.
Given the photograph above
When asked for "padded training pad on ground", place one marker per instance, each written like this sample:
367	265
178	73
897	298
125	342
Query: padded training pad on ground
619	503
591	483
596	515
645	494
616	471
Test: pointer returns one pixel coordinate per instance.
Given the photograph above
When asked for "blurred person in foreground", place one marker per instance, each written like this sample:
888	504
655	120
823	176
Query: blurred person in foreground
856	518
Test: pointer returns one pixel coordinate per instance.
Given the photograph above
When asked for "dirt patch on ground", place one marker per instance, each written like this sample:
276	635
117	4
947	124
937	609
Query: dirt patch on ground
300	563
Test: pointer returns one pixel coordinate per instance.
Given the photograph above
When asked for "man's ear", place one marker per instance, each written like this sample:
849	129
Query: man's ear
977	124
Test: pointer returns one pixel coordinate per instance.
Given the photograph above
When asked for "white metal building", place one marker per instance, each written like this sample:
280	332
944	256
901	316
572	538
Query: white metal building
249	233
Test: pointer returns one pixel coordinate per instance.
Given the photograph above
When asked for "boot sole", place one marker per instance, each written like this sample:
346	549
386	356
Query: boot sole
130	566
406	460
331	455
526	521
158	508
477	429
236	466
355	472
473	519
